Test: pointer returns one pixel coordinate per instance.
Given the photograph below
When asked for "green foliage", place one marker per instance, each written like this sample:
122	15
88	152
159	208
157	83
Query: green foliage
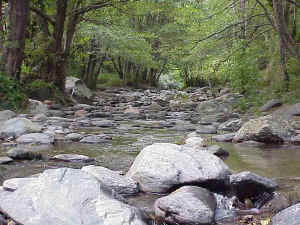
11	95
109	80
41	90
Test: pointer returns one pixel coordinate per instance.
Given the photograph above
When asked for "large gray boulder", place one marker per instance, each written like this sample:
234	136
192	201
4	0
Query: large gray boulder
246	184
36	107
18	126
113	180
75	86
288	216
264	129
270	104
187	205
161	167
66	197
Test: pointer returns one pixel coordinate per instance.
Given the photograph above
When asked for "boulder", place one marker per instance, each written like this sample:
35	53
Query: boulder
18	126
36	107
36	138
39	117
288	216
217	150
212	107
73	137
246	185
75	86
187	205
66	196
162	166
113	180
264	129
231	125
93	139
72	158
102	123
224	137
194	142
270	104
5	160
206	129
6	115
15	183
27	152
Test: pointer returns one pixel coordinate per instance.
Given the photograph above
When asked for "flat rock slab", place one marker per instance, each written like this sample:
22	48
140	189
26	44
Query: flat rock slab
15	183
66	197
247	184
160	167
113	180
288	216
187	205
72	158
5	160
36	138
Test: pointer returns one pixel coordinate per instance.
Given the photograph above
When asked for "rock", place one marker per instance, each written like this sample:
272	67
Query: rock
187	205
27	152
76	87
18	126
270	104
132	110
288	216
231	125
194	142
80	113
15	183
246	185
102	123
296	140
36	138
264	129
224	137
154	107
72	158
217	150
6	115
85	107
212	107
36	107
93	139
39	117
113	180
160	167
73	137
66	197
206	130
5	160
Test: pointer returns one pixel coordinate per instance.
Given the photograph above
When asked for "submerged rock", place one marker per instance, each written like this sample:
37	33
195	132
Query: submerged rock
66	196
161	167
111	179
187	205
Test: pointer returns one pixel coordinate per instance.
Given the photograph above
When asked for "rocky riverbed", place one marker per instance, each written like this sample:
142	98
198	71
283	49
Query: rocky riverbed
144	155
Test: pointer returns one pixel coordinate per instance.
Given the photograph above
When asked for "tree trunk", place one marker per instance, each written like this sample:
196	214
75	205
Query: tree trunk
1	28
13	53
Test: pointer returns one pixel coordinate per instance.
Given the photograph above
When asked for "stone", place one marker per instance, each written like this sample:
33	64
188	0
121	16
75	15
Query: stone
194	142
270	104
206	129
18	126
93	139
154	107
246	185
36	138
102	123
76	87
73	137
264	129
113	180
132	110
6	115
27	152
67	196
231	125
36	107
212	107
5	160
185	206
39	117
217	150
72	158
296	140
224	137
288	216
163	166
80	113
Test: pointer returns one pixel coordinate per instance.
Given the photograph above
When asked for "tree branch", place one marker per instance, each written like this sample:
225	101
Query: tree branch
266	14
293	2
43	15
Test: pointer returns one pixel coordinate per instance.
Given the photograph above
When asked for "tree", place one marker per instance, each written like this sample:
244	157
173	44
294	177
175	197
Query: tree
13	50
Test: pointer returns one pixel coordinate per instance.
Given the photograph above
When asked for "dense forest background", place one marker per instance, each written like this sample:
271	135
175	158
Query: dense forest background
249	45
